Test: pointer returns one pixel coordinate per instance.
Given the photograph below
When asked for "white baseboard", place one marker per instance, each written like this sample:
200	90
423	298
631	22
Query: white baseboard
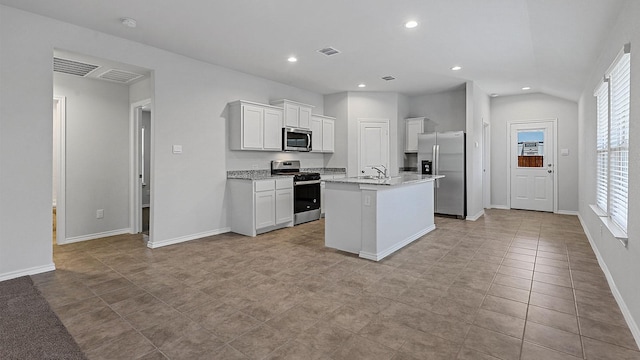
633	326
75	239
476	216
501	207
156	244
30	271
567	212
381	255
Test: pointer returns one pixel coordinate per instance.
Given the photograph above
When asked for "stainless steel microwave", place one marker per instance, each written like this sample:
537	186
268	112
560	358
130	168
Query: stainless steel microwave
296	139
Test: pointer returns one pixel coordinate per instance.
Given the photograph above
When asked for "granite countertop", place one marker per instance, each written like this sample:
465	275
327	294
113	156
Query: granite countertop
253	175
402	179
266	174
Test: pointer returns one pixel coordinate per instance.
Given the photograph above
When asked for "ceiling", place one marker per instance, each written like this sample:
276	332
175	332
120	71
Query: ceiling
502	45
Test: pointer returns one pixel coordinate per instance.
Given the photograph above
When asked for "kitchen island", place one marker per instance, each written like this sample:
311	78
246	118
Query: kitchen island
375	217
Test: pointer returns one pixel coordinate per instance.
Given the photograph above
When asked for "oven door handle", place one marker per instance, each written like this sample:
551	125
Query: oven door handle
310	182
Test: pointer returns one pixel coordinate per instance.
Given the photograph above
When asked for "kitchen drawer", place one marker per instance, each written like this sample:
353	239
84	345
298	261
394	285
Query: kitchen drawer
265	185
284	183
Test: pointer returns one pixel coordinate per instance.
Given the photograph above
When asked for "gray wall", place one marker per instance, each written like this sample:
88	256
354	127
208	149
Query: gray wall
337	105
621	265
188	103
97	154
535	107
477	112
447	110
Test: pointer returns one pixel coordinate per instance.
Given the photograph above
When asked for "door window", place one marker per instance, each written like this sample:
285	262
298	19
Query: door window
530	148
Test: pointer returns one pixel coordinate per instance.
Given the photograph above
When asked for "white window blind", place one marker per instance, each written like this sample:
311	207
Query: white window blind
602	143
619	140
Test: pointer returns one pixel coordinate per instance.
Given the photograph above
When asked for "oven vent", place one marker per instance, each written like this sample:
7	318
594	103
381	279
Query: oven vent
388	78
72	67
329	51
119	76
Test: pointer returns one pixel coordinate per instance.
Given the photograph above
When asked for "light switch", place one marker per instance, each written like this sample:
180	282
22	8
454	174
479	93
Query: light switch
177	149
564	152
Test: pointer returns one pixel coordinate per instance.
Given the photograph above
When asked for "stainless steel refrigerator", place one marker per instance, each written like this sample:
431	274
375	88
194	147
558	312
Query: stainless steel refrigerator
443	153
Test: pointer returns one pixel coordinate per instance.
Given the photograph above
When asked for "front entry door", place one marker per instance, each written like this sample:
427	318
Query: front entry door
532	165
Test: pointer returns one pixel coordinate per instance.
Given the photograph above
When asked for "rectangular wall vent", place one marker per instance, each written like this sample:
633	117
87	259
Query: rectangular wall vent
72	67
388	78
329	51
119	76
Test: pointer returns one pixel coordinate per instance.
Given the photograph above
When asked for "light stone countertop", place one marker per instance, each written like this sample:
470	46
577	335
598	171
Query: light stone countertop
402	179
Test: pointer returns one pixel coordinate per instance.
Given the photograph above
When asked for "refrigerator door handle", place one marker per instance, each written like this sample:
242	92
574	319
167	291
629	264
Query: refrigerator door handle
436	163
434	169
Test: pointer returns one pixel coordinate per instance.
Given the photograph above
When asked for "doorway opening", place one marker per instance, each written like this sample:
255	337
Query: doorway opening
58	181
532	165
141	179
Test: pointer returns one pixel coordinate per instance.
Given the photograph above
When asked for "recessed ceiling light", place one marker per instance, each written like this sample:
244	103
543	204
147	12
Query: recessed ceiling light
292	59
494	95
129	22
456	68
362	85
526	88
411	24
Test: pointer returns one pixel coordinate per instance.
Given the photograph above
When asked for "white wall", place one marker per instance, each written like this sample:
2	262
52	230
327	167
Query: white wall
477	111
97	154
535	107
188	103
621	265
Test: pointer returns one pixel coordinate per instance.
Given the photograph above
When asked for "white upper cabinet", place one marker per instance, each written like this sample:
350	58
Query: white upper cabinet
272	129
328	135
316	134
413	127
255	126
322	133
296	115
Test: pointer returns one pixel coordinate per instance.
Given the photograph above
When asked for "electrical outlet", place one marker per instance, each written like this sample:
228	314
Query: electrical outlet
99	213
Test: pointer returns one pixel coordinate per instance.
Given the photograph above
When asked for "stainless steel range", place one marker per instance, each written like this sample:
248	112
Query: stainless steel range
306	190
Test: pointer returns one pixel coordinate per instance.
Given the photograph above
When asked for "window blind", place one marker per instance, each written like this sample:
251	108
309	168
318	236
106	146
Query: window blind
602	146
619	141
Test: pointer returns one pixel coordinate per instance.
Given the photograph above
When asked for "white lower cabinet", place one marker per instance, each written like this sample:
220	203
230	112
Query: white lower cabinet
258	206
284	206
265	209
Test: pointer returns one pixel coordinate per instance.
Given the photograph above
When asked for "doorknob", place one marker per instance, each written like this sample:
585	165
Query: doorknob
549	171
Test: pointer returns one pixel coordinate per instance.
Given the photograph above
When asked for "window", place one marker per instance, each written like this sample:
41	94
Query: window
612	143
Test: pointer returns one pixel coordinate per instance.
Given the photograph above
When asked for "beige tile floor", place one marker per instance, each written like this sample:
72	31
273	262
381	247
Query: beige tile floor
512	285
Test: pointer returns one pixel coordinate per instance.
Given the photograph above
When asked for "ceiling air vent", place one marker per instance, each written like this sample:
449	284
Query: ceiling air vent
119	76
388	78
329	51
72	67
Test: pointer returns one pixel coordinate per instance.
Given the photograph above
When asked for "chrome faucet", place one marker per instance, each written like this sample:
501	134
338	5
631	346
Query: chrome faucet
380	172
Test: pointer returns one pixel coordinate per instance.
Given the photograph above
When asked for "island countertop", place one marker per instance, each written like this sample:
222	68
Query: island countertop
403	178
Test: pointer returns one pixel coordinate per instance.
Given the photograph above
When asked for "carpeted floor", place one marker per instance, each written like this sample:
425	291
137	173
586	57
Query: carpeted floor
29	329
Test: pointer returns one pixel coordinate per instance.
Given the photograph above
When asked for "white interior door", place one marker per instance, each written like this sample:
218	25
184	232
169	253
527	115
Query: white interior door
373	145
532	165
